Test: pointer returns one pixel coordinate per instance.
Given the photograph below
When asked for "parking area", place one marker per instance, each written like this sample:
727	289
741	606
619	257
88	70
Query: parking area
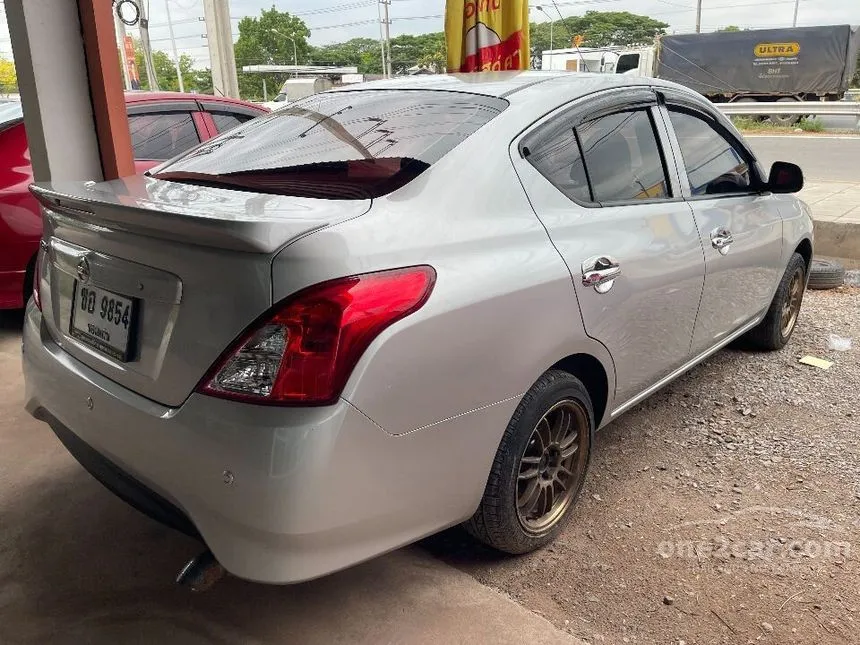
79	566
723	509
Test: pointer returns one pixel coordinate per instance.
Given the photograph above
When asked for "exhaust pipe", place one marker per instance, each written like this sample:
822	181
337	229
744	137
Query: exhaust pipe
201	572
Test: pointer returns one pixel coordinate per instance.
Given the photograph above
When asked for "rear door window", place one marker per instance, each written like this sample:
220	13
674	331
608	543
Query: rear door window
339	145
614	158
622	158
161	136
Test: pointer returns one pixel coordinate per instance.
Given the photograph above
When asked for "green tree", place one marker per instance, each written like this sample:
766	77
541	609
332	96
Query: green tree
165	71
408	51
427	50
264	41
8	77
202	83
363	53
598	29
730	28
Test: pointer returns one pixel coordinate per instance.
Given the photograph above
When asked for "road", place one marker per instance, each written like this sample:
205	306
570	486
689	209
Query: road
823	158
835	122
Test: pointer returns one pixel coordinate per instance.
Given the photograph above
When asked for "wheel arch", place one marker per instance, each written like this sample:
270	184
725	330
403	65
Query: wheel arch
594	377
805	250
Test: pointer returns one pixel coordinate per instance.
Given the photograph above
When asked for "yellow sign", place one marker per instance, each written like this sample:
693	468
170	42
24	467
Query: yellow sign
487	35
773	50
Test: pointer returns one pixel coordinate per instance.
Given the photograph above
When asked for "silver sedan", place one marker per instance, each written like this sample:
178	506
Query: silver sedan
385	310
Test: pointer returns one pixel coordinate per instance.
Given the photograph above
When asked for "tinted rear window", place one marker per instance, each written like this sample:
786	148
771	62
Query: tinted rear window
353	144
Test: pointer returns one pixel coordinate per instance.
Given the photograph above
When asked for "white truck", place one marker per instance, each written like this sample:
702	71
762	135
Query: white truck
298	88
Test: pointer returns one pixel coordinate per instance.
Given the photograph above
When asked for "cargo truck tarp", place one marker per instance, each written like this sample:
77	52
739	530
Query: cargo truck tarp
818	60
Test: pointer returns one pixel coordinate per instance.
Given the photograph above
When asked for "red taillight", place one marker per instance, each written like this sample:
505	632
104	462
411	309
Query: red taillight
304	349
37	278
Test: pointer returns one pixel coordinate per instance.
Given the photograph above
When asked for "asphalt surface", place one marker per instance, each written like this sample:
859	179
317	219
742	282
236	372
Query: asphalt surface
832	122
822	158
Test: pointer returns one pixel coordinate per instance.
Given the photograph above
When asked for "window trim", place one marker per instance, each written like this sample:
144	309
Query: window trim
692	107
146	107
214	107
589	108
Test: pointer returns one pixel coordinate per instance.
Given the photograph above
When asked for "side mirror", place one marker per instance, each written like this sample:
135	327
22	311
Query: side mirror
785	178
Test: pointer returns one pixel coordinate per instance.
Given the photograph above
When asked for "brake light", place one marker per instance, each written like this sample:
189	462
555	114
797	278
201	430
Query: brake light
304	349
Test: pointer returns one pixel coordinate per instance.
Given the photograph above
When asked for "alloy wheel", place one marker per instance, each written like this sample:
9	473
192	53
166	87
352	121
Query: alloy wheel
552	467
791	307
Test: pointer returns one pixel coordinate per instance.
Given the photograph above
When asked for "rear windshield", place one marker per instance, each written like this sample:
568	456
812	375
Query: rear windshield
338	145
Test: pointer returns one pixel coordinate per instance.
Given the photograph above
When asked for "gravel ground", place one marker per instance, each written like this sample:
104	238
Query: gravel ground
725	509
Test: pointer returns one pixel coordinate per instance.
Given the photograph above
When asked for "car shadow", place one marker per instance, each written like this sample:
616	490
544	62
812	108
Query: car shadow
11	319
77	565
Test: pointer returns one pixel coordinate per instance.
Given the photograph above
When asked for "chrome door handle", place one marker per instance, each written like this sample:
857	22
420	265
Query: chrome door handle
721	239
600	272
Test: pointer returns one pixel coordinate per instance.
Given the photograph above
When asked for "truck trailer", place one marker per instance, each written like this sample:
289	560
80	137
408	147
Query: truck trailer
792	64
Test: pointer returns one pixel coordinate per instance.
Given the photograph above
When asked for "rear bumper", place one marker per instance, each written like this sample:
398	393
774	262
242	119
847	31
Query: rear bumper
279	495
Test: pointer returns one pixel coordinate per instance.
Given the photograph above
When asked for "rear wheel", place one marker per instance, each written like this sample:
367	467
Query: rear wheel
751	117
539	468
785	120
775	330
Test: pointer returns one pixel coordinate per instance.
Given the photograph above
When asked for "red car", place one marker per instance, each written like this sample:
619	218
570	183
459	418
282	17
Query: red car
163	125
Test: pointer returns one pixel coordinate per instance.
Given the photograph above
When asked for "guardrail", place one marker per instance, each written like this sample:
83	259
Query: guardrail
849	108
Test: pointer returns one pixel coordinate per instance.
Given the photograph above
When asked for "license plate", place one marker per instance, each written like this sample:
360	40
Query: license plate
104	320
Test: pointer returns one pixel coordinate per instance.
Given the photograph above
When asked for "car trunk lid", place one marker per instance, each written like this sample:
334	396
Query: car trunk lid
172	273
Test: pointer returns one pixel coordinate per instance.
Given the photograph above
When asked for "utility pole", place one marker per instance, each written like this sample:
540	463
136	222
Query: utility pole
796	7
699	16
147	48
120	37
551	23
220	40
381	37
173	44
386	23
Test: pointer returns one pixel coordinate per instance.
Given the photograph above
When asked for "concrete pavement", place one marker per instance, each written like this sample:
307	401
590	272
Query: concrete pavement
833	201
832	185
78	566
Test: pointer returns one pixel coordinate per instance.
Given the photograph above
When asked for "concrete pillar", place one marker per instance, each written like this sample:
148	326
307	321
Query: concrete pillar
69	79
219	37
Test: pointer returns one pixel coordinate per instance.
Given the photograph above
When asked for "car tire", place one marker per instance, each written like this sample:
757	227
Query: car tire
826	274
539	466
785	120
779	323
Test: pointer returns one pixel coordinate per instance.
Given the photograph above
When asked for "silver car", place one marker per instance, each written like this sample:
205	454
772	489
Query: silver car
389	309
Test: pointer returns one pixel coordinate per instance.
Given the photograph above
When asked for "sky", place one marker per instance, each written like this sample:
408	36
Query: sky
338	20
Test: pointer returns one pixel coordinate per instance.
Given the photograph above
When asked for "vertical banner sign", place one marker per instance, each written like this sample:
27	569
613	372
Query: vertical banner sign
487	35
131	65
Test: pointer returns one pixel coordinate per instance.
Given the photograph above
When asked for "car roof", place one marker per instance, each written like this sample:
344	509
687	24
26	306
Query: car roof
506	84
138	97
